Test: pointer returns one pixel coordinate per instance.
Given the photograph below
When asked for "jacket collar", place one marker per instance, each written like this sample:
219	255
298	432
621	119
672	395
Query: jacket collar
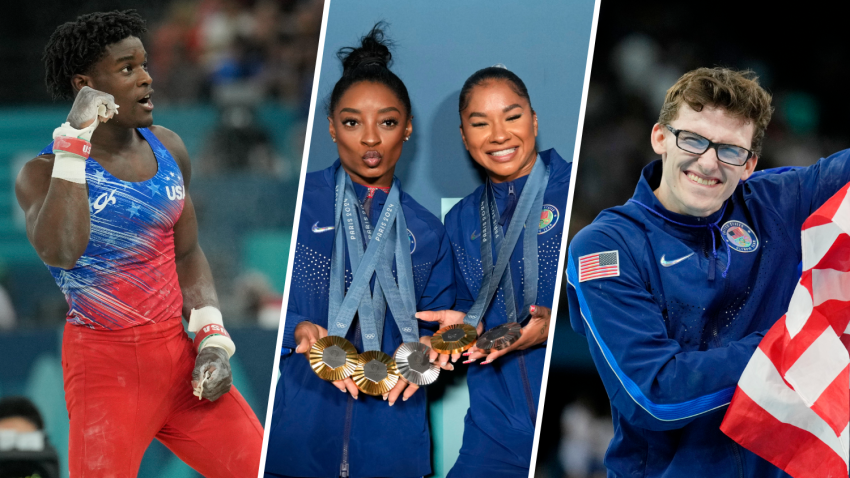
500	190
650	179
362	191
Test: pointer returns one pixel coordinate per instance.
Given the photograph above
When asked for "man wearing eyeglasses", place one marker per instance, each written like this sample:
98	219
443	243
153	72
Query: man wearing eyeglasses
675	288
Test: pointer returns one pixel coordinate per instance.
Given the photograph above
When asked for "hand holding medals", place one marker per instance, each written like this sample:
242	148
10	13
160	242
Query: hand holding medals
446	319
497	274
499	337
371	254
312	340
506	338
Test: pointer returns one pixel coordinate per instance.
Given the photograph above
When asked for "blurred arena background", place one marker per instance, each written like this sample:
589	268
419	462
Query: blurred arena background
233	79
641	49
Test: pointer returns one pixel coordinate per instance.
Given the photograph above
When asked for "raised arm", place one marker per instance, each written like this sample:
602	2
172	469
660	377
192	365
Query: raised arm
51	189
57	213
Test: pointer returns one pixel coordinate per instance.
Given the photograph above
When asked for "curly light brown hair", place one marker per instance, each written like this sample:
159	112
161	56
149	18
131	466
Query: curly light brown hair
737	92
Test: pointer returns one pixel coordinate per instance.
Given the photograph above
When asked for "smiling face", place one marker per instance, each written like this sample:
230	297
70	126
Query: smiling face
499	128
369	125
698	185
122	72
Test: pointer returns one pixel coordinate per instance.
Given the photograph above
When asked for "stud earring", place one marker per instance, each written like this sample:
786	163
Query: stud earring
406	138
333	139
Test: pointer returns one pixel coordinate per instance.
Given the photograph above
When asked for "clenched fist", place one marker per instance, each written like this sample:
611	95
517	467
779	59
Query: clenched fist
91	105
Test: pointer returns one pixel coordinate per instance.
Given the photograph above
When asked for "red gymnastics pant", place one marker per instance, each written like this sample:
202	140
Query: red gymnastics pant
123	388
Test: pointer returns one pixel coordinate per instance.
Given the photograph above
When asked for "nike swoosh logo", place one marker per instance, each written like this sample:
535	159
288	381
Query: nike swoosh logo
475	235
319	230
667	263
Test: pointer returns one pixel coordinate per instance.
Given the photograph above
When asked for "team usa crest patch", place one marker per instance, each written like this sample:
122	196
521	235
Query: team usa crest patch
412	241
548	218
739	236
599	265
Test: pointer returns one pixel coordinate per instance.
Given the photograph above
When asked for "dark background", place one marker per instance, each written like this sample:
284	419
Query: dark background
799	51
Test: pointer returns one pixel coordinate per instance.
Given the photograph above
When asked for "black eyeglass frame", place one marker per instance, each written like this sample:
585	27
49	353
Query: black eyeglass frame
711	144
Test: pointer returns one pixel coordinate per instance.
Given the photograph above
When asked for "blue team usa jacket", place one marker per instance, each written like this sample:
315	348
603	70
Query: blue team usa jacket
672	332
316	430
499	426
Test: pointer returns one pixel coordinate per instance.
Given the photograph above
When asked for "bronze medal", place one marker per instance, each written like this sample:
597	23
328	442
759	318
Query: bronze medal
454	339
499	337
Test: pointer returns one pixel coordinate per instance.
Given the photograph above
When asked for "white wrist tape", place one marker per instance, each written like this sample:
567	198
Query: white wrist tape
221	342
68	165
209	315
67	130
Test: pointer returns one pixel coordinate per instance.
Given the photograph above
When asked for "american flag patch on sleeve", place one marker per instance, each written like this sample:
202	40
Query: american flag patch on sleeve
599	265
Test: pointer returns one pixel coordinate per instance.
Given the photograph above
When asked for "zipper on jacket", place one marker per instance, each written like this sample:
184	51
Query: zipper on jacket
349	411
736	452
510	206
526	384
343	466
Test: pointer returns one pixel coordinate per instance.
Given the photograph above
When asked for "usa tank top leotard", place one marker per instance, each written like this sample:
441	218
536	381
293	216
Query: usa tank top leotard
127	276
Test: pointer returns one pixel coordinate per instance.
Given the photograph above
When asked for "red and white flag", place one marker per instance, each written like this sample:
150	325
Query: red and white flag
792	404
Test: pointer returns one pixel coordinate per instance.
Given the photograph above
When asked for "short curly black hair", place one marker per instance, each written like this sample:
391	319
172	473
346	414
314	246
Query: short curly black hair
75	46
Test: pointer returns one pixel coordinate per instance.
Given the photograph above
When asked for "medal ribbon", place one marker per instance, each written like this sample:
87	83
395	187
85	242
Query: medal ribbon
401	297
351	227
529	207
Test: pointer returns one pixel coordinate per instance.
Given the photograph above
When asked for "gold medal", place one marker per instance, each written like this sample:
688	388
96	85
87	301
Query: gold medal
454	339
376	373
333	358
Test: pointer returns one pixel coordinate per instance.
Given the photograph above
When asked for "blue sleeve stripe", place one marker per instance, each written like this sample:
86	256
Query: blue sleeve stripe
661	411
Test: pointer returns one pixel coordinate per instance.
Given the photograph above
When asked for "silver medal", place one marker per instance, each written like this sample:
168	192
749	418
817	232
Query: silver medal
412	359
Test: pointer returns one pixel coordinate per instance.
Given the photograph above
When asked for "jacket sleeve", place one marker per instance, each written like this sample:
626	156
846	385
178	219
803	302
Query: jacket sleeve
464	297
795	193
299	306
651	381
439	292
293	318
822	180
